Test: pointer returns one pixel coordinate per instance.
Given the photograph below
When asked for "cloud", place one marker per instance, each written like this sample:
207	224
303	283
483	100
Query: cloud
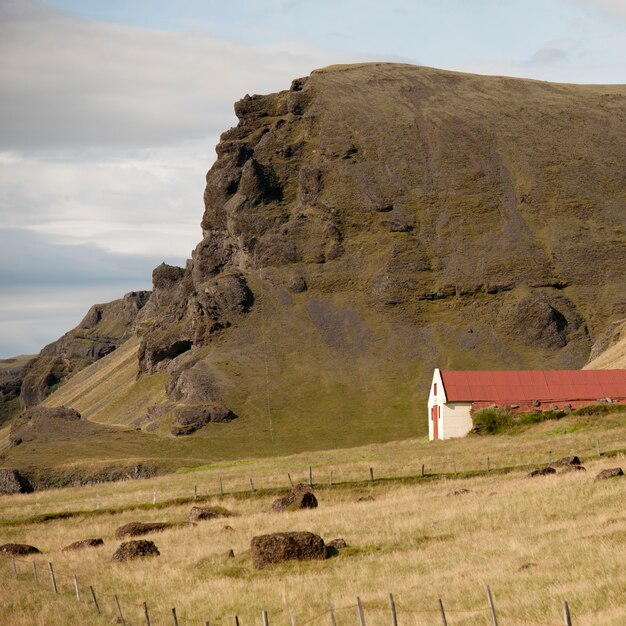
548	56
46	289
27	260
139	202
68	82
615	8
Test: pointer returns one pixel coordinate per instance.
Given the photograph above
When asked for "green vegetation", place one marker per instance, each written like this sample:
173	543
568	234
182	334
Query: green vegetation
491	421
600	409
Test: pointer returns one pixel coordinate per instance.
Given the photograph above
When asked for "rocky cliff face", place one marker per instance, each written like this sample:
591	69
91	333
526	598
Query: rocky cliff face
375	221
102	330
447	219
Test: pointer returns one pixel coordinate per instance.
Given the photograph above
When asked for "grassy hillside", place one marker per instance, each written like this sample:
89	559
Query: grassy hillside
534	541
372	223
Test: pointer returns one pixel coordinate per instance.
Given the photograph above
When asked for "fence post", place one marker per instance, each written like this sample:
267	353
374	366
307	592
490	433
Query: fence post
488	465
549	457
330	480
195	492
310	476
331	611
492	607
35	572
76	588
372	474
236	621
252	485
293	618
598	447
14	567
265	620
290	481
221	487
95	600
145	613
119	610
566	615
52	578
394	616
444	621
174	618
422	470
154	497
359	607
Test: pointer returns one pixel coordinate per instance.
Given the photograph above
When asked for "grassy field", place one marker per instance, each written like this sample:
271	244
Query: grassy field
534	541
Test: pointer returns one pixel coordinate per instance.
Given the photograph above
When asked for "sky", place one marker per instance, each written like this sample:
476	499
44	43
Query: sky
110	111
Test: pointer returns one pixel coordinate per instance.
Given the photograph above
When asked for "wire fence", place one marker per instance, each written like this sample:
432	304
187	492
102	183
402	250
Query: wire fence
113	608
197	487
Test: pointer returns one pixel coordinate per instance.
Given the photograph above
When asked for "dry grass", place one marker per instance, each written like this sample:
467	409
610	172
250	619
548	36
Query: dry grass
612	358
412	539
571	435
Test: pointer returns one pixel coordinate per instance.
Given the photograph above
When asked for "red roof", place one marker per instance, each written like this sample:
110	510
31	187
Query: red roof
530	385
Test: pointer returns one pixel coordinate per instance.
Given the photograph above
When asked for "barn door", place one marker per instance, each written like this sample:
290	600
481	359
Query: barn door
435	418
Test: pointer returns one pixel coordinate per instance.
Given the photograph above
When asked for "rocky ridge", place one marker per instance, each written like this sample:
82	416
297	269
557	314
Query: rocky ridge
375	221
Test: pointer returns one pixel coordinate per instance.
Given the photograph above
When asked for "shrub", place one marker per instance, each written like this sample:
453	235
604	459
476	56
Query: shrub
600	409
492	421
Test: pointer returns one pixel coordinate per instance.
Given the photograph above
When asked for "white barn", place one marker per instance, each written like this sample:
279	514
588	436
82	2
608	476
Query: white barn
453	394
446	419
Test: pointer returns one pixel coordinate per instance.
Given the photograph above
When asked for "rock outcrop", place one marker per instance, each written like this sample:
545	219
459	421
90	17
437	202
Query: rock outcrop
136	549
281	547
32	421
101	331
18	549
136	529
95	542
365	225
300	497
11	481
612	472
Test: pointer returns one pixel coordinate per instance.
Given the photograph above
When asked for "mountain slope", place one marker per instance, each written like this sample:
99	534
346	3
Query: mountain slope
369	224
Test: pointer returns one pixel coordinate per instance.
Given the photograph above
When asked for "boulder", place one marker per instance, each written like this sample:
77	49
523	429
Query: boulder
337	544
610	473
200	513
11	481
567	460
228	529
188	419
296	284
135	549
281	547
136	529
541	471
18	549
573	468
84	543
300	497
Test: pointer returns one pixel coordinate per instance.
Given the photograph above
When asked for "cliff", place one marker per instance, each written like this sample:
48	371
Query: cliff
368	224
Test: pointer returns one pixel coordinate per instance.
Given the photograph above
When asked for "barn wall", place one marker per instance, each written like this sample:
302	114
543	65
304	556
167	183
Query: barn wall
457	419
438	399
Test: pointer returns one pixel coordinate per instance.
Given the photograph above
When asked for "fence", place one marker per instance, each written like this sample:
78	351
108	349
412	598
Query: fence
358	474
111	607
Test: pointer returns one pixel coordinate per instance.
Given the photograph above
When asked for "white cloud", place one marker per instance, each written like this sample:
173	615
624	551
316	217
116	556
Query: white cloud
68	82
616	8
